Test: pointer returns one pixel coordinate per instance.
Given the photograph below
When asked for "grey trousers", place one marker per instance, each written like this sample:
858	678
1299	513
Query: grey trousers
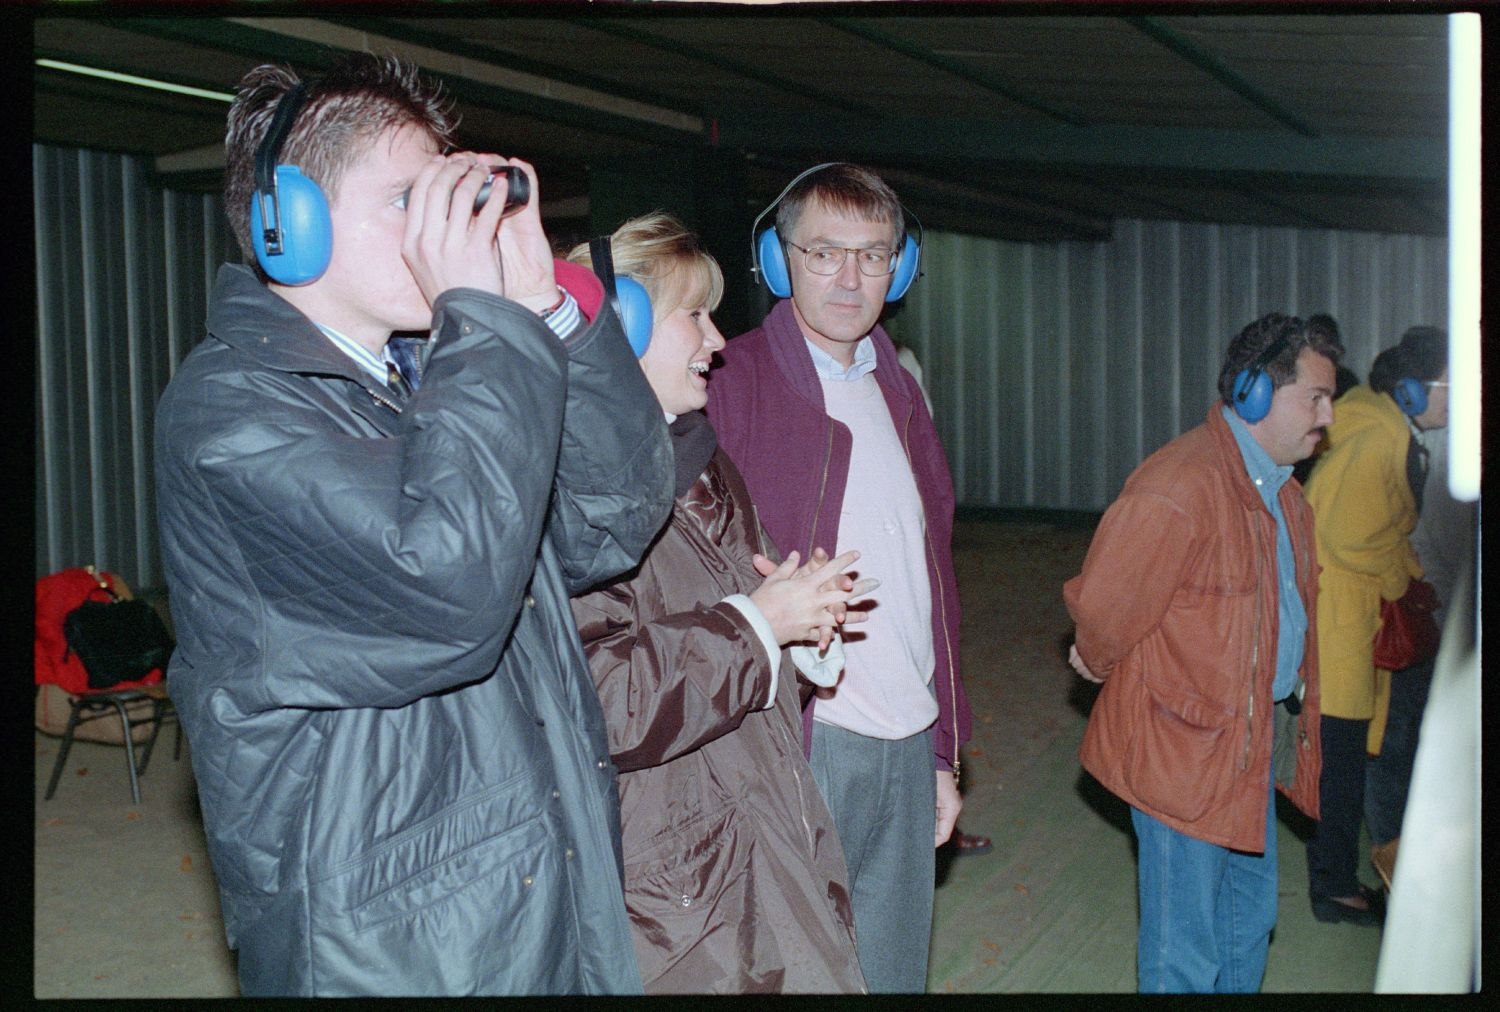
883	796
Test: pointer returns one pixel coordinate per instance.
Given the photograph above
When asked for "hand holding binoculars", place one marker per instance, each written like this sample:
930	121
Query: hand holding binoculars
517	190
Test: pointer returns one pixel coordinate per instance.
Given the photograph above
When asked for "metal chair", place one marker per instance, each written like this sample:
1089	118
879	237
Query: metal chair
95	704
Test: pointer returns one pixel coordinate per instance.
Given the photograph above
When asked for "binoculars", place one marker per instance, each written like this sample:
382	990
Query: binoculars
517	190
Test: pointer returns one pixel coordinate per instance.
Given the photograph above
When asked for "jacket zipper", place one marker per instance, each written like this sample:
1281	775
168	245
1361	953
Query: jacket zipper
379	399
942	598
1308	562
812	538
1254	652
791	746
947	649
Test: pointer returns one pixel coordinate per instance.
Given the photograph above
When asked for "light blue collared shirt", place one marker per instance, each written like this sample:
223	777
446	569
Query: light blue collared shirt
1268	477
562	322
378	366
829	368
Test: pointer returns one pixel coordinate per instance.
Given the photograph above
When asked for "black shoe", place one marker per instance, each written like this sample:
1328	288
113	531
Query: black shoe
1331	911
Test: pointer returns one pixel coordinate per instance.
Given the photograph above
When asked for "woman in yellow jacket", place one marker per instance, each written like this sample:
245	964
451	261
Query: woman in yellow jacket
1364	493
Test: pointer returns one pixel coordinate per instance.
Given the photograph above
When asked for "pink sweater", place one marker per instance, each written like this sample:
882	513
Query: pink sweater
889	658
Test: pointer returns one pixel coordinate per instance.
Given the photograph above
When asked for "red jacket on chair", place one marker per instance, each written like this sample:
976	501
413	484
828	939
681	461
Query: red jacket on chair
56	596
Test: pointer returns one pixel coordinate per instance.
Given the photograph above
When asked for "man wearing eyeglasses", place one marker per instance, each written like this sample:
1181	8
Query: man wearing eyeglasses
838	449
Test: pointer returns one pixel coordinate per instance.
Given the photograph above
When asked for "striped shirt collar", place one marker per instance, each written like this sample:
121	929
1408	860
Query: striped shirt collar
378	366
562	321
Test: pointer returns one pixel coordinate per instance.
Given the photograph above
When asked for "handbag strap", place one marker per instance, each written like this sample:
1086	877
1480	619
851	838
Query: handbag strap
102	579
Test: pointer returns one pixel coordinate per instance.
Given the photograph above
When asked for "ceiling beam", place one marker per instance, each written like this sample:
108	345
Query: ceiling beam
313	43
410	32
1299	214
1378	159
1221	72
989	82
748	71
950	192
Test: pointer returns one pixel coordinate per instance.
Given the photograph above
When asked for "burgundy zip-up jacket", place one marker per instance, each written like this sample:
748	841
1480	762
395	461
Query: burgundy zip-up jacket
766	404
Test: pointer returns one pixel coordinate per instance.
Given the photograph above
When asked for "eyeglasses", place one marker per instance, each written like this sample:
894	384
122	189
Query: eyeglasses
875	262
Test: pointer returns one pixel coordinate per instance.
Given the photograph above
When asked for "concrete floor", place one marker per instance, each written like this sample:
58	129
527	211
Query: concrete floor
1050	909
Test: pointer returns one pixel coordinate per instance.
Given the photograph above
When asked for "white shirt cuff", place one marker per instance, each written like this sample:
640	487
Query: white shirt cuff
762	628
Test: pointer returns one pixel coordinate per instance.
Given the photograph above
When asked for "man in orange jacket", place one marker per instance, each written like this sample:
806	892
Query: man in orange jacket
1195	609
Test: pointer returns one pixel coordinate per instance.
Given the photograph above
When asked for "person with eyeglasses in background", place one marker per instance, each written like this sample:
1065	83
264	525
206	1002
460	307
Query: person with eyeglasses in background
1366	494
1444	542
838	450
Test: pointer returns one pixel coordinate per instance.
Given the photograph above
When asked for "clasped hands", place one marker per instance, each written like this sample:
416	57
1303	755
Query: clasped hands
808	602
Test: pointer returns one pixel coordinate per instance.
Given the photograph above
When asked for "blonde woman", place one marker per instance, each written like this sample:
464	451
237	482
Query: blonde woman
734	877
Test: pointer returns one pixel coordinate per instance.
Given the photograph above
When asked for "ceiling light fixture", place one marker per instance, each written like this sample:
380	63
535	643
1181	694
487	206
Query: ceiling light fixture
144	82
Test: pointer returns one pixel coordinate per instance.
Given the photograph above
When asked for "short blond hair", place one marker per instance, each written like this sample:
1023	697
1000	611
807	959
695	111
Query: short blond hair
657	250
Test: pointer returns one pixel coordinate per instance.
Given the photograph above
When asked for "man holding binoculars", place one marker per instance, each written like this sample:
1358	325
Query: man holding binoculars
370	541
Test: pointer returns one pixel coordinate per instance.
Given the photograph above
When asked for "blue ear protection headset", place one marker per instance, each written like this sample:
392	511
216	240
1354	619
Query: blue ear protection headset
768	253
1410	396
290	226
627	296
1253	387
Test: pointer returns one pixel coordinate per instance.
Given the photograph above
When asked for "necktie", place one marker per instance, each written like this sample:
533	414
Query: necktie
1416	469
397	381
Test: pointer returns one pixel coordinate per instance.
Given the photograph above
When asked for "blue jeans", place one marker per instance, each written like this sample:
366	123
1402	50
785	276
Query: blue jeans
1206	911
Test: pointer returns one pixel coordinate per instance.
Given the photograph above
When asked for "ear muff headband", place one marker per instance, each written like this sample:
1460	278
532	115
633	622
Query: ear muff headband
627	296
1410	396
908	262
290	226
1253	387
768	255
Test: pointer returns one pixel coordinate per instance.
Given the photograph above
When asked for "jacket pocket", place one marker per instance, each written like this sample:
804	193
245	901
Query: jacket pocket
677	894
1176	763
430	886
495	917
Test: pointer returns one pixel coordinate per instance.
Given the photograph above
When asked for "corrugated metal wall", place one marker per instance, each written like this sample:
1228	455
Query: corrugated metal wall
123	271
1055	369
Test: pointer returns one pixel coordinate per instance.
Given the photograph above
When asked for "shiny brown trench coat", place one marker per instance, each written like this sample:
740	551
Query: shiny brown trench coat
734	877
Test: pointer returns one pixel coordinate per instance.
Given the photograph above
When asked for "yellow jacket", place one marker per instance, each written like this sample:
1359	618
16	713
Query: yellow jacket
1365	514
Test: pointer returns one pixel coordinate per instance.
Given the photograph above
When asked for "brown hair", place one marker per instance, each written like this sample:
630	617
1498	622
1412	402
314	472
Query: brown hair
359	98
847	189
1260	335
